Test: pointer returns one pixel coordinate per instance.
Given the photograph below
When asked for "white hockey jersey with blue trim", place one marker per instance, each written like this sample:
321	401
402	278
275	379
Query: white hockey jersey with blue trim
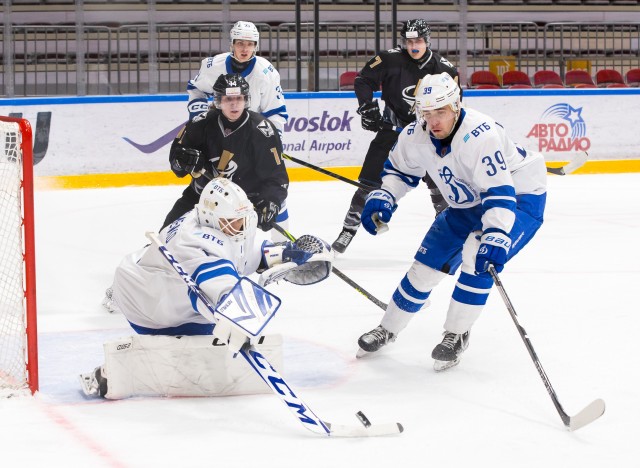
264	87
482	165
150	294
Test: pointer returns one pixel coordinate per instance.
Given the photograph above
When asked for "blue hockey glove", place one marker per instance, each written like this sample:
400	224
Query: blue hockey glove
493	250
197	107
377	211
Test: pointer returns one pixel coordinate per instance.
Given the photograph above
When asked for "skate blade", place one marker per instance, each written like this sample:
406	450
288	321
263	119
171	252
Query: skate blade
440	366
361	353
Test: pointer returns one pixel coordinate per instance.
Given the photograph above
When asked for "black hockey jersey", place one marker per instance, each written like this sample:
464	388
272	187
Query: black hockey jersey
398	74
249	155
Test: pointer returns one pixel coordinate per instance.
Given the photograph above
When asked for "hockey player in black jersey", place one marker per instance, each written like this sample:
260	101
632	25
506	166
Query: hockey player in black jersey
233	142
398	71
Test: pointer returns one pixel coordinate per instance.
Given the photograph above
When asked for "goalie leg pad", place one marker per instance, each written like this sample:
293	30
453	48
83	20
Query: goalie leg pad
147	365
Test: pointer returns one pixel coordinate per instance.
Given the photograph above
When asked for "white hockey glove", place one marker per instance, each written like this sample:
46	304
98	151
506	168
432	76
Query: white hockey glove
306	261
226	332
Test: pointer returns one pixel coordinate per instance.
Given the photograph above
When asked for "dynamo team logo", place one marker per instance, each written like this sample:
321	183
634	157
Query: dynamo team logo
561	129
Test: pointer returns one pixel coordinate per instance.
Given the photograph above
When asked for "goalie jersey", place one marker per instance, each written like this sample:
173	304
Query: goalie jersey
155	300
481	167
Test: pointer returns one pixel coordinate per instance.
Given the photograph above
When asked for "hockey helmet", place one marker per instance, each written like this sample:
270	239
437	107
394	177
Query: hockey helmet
413	29
231	84
244	31
437	91
224	206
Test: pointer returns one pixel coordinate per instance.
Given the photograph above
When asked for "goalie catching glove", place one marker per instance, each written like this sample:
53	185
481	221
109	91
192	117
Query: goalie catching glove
303	262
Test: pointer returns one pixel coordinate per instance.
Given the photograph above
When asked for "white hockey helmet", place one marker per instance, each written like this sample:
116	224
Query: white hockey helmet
222	203
437	91
244	31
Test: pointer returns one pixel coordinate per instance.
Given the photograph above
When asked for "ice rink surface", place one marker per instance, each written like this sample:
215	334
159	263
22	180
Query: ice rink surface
575	288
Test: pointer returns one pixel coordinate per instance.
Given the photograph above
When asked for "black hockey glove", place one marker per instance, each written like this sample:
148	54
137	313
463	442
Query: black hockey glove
185	160
371	117
267	214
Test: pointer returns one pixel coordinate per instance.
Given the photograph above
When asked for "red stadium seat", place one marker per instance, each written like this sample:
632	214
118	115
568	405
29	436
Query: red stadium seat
608	76
633	77
551	85
487	86
617	85
515	77
520	86
483	77
576	77
346	80
542	78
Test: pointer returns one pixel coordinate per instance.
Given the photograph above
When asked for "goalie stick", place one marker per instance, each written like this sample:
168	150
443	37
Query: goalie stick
591	412
338	273
272	377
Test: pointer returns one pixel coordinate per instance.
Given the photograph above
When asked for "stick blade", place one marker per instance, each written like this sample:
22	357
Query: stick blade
589	414
374	430
576	163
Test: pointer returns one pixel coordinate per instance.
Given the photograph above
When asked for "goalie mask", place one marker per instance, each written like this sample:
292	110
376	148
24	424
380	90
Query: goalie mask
225	207
231	84
244	31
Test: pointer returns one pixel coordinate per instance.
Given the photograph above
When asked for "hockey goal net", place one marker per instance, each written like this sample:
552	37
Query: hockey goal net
18	331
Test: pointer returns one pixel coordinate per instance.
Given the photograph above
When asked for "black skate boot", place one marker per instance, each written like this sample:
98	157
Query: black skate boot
447	354
344	239
372	341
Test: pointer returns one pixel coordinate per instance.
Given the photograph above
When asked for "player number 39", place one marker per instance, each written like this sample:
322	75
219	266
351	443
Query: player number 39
492	162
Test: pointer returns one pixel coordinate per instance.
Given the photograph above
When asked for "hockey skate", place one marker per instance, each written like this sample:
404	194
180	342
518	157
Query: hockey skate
372	341
94	384
343	240
447	353
108	302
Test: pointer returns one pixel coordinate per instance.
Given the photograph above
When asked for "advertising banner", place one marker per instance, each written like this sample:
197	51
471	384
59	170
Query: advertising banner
124	134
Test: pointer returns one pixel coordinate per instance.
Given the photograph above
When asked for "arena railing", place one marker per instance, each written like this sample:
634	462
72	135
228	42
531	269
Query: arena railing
43	59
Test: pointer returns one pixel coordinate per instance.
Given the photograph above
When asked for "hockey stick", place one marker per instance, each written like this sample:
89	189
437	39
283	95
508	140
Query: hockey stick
326	172
338	273
575	164
273	379
590	413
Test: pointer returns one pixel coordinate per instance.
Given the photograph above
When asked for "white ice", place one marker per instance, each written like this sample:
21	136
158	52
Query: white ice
574	288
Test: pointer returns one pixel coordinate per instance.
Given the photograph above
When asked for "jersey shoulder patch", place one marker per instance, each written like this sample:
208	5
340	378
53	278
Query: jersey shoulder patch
444	61
265	128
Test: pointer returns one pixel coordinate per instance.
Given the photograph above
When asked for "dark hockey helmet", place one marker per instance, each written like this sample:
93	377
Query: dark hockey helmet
413	29
231	84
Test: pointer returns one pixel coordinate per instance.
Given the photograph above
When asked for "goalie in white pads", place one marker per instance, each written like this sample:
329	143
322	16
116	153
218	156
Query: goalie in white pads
216	244
496	193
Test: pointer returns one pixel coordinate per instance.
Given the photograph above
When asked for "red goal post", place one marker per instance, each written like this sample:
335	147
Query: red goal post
18	328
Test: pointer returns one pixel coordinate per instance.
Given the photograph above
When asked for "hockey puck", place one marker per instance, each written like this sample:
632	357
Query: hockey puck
363	419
